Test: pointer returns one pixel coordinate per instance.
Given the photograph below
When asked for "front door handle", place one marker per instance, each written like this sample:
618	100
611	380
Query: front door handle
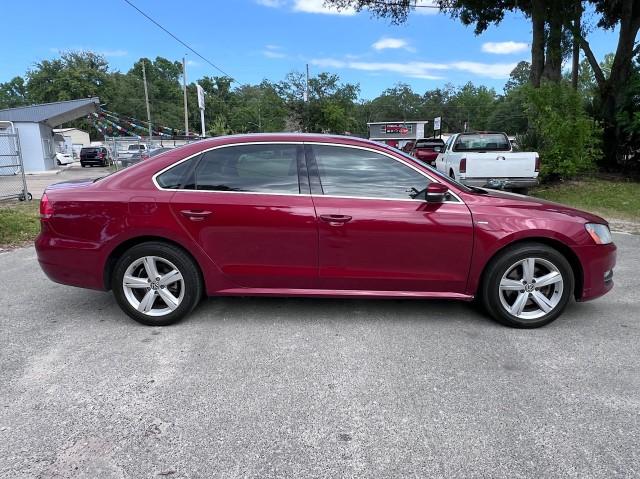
195	215
335	220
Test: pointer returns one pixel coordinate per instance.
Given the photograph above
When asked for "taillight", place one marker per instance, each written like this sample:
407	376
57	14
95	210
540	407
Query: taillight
537	167
100	155
463	165
46	207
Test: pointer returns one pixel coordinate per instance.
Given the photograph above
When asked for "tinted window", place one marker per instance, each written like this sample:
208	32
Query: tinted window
482	142
354	172
268	168
176	177
428	143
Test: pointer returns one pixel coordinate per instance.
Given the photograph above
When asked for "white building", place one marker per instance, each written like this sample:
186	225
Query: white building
70	140
35	124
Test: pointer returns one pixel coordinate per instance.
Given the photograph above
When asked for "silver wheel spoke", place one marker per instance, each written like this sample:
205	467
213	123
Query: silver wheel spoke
528	268
150	267
518	305
135	282
520	291
170	300
147	302
510	284
548	279
148	278
170	277
542	301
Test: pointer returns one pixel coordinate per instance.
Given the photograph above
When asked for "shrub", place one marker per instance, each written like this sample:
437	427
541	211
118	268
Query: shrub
567	139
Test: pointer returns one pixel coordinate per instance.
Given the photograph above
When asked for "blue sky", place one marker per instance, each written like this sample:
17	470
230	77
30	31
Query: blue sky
256	39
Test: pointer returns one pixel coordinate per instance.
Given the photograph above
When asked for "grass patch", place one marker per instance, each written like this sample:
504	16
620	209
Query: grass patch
19	223
609	198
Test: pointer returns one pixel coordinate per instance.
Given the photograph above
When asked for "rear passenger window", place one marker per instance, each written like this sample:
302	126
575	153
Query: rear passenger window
176	177
268	168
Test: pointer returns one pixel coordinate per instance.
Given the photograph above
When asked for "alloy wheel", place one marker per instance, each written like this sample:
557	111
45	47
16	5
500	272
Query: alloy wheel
153	286
531	288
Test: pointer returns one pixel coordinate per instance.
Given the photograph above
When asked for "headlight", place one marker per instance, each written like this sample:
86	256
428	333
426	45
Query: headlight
599	233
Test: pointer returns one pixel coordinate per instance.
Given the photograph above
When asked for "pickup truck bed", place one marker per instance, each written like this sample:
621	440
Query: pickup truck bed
487	160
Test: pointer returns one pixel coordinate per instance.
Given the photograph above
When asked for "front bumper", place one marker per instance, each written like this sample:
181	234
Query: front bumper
500	183
598	262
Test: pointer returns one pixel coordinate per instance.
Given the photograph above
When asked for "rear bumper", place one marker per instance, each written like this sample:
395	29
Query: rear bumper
500	183
69	261
598	262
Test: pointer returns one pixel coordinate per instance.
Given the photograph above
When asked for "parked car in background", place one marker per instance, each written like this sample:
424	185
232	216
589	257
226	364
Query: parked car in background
142	155
316	215
427	149
487	159
131	150
94	156
64	159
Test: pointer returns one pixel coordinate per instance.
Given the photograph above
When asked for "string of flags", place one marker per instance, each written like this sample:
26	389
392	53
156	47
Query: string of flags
109	123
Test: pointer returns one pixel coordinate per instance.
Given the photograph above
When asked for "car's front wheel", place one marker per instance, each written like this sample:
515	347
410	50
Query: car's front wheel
527	286
156	283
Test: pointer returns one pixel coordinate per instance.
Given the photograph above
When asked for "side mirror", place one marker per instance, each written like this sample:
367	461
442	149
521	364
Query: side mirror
436	192
437	149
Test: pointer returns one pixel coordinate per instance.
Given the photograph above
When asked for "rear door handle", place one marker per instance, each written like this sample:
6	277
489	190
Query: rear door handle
195	215
335	220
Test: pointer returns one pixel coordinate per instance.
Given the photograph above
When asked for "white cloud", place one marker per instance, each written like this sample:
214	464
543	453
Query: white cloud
491	70
392	43
424	70
410	69
306	6
273	54
318	6
426	7
270	3
193	63
504	48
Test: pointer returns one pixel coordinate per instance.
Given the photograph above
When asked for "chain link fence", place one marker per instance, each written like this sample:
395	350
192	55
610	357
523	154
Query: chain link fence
126	151
13	183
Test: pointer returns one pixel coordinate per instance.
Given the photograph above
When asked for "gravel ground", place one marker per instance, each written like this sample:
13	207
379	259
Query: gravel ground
262	388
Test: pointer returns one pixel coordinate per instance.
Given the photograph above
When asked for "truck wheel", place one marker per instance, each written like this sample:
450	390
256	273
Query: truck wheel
452	174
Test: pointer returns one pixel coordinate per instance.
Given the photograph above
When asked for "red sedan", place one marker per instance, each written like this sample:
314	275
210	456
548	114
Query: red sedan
316	215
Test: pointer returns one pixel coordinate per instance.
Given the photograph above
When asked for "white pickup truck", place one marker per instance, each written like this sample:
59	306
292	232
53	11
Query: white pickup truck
487	159
131	150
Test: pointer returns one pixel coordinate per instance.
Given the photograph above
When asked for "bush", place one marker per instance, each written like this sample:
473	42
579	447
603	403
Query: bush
567	139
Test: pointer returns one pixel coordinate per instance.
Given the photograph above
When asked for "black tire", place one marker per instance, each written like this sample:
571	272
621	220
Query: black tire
83	165
521	191
452	175
193	287
490	294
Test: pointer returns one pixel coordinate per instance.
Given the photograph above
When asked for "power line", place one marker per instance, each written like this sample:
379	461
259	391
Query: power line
183	43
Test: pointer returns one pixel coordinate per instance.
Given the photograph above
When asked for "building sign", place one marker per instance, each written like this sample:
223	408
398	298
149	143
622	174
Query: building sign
436	123
400	129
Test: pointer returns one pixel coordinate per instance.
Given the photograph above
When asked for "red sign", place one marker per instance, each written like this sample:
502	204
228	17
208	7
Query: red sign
401	129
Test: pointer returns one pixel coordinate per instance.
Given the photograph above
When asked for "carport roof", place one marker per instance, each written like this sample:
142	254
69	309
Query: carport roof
53	114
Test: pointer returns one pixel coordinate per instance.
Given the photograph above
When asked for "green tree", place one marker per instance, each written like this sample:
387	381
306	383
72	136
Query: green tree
13	93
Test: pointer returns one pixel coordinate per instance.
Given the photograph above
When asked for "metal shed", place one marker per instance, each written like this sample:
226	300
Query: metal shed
35	124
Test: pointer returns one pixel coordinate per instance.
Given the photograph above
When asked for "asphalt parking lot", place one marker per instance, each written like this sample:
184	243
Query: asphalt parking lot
260	388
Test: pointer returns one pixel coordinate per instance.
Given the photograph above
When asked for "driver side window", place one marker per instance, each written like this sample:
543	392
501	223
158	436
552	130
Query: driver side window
360	173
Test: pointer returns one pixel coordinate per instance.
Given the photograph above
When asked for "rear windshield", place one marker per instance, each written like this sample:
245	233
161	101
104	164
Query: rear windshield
482	142
428	143
136	147
89	150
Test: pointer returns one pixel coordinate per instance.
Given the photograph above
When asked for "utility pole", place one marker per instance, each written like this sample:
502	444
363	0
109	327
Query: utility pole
146	99
305	97
184	87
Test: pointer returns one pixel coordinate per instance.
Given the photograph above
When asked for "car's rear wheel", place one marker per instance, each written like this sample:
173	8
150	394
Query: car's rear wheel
156	284
527	286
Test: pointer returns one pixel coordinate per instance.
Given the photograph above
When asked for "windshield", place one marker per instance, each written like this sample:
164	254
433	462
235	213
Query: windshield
431	169
482	142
